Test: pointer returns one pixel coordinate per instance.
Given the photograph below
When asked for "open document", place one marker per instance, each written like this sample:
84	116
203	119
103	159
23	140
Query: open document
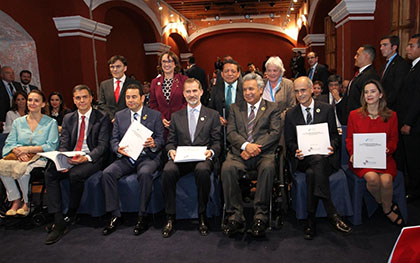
369	150
60	158
313	139
134	139
190	154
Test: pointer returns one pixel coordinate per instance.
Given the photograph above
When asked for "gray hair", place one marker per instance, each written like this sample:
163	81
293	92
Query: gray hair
308	81
277	62
254	76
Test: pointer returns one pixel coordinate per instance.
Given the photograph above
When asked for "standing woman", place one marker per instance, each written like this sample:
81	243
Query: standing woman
166	91
29	135
56	108
18	109
375	117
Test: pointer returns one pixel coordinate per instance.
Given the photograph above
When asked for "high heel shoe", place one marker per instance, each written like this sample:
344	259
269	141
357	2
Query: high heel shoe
11	212
22	212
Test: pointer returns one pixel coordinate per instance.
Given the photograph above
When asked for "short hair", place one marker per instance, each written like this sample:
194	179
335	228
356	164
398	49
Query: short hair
277	62
335	78
320	83
418	39
193	80
174	57
81	87
40	93
115	58
394	40
254	76
231	61
250	63
191	60
137	87
25	71
370	50
4	68
315	54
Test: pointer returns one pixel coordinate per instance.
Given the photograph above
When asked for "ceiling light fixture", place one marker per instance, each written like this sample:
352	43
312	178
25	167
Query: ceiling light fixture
171	14
217	18
159	6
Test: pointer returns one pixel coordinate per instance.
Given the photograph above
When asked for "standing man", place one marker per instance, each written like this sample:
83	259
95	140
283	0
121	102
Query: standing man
317	168
394	71
112	91
25	79
198	73
145	165
85	130
317	71
408	111
195	125
254	132
7	88
363	59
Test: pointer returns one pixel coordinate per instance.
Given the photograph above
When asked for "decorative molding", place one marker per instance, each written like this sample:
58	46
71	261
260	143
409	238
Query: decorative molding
155	48
221	18
348	7
312	11
355	18
185	56
301	49
81	25
314	38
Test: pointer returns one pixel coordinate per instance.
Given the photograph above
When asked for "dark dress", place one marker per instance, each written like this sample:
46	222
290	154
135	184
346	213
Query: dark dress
60	116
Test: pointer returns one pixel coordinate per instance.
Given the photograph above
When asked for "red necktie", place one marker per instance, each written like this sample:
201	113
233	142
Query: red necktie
81	135
117	91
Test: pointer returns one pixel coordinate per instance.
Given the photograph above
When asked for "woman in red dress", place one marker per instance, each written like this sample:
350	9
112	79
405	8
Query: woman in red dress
166	90
375	117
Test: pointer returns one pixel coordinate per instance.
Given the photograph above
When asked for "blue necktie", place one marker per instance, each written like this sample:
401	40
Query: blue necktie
311	73
192	123
229	97
135	116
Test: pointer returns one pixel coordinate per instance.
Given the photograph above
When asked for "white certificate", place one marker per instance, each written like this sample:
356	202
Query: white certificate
313	139
369	150
190	154
134	139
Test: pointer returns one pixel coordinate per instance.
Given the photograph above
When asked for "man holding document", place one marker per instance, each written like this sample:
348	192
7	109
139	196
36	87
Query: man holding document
194	126
86	130
137	138
316	162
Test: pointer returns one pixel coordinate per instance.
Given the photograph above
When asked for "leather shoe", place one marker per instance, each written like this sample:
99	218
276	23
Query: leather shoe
169	229
258	228
141	226
112	226
339	225
233	227
309	230
202	227
56	234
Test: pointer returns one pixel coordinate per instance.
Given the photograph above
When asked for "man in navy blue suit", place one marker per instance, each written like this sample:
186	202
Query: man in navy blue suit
145	165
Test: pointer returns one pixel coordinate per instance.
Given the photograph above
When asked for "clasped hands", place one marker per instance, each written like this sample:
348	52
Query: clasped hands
22	153
251	150
300	156
150	143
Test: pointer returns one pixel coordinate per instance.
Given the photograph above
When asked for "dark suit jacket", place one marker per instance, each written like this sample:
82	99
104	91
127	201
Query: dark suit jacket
393	78
207	130
5	99
98	134
321	73
323	98
351	99
267	127
217	101
326	114
177	101
149	118
198	73
107	98
408	106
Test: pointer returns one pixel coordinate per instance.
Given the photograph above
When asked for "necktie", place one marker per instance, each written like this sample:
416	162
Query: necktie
383	72
311	73
117	91
135	116
351	81
192	123
10	91
81	135
229	97
251	122
308	116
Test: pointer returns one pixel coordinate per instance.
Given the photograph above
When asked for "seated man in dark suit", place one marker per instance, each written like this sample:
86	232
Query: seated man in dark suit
254	132
317	168
195	125
84	130
145	165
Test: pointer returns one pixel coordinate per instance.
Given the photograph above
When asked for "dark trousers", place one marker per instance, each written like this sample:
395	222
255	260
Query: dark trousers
144	167
77	176
318	170
408	160
172	172
233	169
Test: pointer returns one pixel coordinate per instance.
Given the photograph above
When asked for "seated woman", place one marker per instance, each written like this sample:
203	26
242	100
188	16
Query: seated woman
56	108
30	134
18	109
375	117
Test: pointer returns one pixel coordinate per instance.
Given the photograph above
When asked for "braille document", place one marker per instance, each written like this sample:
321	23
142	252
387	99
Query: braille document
369	150
190	154
60	158
313	139
134	138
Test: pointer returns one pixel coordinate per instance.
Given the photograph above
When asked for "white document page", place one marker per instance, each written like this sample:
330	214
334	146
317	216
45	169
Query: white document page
134	139
313	139
60	158
369	150
190	154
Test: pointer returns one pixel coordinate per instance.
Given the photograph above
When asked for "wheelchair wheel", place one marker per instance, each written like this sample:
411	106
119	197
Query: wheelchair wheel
39	219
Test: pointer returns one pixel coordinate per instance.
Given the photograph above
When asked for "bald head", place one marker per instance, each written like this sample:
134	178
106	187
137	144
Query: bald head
7	74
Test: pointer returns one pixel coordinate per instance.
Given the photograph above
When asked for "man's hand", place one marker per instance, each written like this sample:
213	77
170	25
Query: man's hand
208	154
77	159
335	94
172	154
405	129
122	151
166	123
150	142
245	155
253	149
299	154
223	121
331	150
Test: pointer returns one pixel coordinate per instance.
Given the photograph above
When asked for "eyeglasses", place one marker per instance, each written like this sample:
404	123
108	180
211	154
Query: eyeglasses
167	61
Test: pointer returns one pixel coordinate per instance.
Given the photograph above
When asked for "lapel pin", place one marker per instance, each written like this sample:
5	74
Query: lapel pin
202	118
318	110
158	83
145	117
263	108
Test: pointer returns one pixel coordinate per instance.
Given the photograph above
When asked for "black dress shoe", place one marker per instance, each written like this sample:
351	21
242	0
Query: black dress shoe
202	226
339	225
310	229
57	233
141	226
169	229
112	226
233	227
258	228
